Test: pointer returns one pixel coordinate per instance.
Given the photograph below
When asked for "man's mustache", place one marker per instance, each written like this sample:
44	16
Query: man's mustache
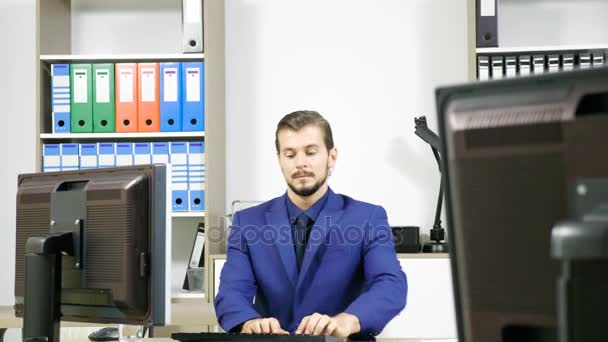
302	174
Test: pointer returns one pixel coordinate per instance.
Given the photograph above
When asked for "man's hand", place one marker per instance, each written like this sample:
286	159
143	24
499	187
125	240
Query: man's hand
341	325
263	326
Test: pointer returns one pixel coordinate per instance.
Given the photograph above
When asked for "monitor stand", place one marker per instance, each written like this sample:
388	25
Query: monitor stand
42	300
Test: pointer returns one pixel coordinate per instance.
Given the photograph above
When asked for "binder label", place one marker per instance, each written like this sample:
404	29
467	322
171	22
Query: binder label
126	86
102	86
488	8
147	85
61	81
80	86
193	85
170	86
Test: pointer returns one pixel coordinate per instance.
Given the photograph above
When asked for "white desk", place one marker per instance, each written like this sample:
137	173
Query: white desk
429	312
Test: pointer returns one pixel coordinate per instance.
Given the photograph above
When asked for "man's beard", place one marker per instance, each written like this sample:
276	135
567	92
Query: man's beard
310	190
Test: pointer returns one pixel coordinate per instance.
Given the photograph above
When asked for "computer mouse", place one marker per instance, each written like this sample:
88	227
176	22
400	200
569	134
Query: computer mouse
104	334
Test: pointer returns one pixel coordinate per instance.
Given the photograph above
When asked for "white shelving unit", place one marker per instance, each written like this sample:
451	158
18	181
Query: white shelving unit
119	136
567	34
122	57
73	31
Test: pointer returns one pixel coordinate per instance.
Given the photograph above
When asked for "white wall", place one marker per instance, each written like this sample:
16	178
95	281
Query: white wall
552	22
18	131
368	66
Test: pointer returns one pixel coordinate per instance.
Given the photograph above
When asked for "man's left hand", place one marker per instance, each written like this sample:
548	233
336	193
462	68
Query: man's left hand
341	325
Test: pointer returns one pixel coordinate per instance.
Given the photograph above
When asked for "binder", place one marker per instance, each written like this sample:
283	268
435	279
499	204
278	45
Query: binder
598	58
584	60
196	175
511	66
483	68
538	64
525	65
486	15
51	157
192	26
497	67
568	62
60	101
179	175
170	97
81	101
104	114
124	154
160	153
88	156
197	256
148	109
553	63
142	154
106	152
69	157
193	105
126	97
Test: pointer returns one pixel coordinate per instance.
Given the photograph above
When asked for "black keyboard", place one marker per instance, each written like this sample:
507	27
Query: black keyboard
225	337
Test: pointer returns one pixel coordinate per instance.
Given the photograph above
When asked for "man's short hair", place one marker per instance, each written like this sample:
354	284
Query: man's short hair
301	118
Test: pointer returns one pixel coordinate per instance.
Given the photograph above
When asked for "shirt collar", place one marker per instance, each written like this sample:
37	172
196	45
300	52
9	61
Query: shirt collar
313	212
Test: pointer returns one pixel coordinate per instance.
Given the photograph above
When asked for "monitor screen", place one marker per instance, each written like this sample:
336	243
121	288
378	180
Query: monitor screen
116	267
513	150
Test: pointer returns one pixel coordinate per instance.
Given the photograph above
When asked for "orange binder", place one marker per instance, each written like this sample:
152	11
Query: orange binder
148	106
126	97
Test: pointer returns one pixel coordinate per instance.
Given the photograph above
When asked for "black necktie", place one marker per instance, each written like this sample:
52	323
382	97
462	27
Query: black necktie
299	239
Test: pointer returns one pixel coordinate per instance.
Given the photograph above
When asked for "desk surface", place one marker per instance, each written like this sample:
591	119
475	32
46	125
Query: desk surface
188	313
378	340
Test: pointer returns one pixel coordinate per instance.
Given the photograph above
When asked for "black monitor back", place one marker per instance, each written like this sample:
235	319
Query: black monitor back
513	150
123	276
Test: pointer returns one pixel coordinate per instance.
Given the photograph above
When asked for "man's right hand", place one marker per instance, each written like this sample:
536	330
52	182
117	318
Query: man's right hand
263	326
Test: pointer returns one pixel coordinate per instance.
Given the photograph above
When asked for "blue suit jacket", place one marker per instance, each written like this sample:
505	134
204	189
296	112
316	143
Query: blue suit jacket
350	266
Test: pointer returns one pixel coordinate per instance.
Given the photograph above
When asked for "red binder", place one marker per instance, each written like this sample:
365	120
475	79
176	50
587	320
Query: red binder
148	102
126	97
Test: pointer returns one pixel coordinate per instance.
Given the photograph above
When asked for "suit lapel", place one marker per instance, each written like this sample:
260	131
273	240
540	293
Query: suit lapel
277	218
330	214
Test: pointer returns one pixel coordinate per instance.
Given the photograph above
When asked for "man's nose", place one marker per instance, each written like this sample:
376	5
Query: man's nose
301	160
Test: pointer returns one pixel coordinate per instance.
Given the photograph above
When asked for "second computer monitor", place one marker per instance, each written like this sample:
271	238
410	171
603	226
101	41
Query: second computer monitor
513	151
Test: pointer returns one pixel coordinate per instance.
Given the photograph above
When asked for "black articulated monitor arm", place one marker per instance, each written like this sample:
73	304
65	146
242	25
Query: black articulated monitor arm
437	232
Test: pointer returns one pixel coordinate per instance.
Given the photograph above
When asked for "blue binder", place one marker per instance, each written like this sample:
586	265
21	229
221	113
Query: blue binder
69	157
193	96
142	154
106	152
60	99
124	154
179	175
51	157
196	175
88	156
160	153
170	97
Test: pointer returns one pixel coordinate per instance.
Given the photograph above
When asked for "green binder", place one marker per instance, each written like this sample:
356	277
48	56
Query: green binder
81	101
103	98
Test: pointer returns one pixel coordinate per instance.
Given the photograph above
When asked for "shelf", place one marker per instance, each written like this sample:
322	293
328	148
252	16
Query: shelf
195	214
540	48
178	294
138	135
122	58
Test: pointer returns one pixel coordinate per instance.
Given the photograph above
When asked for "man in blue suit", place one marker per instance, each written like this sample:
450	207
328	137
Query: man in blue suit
310	261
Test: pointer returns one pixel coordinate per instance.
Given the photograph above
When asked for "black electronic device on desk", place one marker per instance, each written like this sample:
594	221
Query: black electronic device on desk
229	337
437	244
91	246
522	157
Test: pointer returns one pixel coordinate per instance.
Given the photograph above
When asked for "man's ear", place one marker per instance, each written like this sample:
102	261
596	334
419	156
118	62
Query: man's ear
333	156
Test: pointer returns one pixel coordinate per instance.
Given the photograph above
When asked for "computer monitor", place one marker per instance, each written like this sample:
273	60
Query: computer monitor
513	152
111	229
